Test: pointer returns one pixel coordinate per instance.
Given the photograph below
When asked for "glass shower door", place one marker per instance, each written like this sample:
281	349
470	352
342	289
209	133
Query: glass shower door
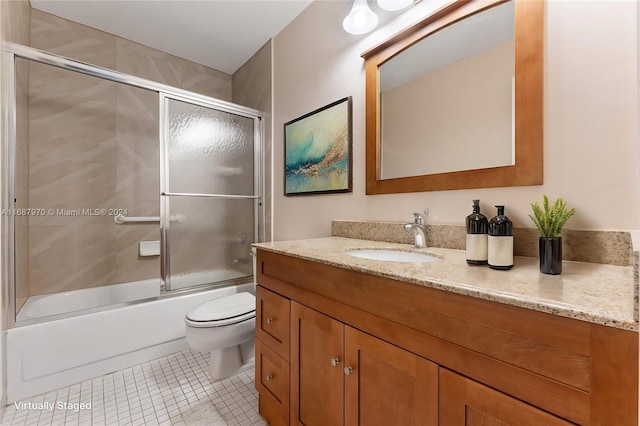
209	194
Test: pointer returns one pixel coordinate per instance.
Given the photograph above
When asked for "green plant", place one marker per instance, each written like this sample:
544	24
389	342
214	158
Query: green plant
550	220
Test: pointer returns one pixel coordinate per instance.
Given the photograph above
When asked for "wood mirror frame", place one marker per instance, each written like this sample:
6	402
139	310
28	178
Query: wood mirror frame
528	41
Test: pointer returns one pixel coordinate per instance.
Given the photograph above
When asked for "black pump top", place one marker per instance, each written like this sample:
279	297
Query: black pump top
476	222
500	225
476	206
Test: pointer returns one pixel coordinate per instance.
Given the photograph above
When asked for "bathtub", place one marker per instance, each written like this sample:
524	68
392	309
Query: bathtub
49	355
71	303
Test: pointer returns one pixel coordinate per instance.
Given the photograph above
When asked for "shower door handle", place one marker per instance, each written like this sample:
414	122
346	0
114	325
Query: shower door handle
120	219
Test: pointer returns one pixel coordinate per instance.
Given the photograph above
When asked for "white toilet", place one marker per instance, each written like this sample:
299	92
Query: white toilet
225	327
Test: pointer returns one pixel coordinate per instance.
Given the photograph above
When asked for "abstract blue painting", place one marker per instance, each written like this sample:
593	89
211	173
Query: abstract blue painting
317	149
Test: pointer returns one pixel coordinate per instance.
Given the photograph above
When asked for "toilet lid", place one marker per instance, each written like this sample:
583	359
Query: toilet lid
224	308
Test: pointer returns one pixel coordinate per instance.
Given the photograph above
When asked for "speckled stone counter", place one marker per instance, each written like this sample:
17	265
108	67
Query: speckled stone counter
611	247
597	293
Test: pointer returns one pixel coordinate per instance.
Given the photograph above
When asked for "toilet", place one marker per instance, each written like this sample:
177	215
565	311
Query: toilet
224	327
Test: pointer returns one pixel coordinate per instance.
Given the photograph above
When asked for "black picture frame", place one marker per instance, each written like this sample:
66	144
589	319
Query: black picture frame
318	151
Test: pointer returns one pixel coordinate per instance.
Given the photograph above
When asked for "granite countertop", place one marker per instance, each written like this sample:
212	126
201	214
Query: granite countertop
597	293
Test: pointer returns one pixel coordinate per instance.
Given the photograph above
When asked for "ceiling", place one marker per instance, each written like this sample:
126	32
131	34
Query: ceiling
221	34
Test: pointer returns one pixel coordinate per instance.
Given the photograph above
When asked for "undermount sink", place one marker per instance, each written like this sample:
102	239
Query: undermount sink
392	255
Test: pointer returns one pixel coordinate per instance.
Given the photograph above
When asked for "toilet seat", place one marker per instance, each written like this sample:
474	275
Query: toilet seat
223	311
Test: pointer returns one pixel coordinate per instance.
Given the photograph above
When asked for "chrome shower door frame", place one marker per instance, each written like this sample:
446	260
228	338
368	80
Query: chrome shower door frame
258	188
7	202
12	51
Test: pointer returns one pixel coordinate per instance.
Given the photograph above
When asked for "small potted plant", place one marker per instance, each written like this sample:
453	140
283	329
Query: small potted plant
549	221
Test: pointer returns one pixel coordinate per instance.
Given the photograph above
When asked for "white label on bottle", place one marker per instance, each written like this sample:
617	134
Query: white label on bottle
477	247
500	251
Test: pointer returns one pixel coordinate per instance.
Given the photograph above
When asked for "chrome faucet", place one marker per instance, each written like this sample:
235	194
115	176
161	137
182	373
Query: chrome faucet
419	231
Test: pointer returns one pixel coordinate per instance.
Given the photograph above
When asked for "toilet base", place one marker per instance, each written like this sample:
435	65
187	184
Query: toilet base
228	361
224	362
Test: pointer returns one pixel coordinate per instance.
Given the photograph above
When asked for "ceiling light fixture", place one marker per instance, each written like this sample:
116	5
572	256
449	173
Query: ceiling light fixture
361	19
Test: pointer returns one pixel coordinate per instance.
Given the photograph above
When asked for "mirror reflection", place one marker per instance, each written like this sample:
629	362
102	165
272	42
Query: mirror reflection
447	102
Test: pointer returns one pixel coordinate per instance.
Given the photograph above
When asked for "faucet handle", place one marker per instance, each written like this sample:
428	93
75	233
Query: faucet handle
418	218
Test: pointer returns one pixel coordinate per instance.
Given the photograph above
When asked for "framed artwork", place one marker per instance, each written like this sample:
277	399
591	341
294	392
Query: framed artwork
317	151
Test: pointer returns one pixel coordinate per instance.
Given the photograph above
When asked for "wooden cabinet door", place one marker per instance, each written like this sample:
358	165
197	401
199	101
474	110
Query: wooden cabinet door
387	385
272	383
466	402
272	321
317	392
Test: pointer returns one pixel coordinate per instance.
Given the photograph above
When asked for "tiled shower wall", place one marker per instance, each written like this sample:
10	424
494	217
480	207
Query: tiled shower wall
22	182
252	87
94	144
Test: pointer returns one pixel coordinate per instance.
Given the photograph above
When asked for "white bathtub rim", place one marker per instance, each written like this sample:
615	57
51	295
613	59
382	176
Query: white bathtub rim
68	302
161	296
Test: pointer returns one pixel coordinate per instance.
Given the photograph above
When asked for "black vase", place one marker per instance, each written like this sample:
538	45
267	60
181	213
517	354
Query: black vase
550	251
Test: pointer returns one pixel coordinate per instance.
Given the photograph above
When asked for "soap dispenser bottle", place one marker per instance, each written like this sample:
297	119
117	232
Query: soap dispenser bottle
477	228
500	241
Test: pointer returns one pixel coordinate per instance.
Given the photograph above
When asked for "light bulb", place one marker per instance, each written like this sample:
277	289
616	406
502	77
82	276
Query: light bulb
394	4
361	19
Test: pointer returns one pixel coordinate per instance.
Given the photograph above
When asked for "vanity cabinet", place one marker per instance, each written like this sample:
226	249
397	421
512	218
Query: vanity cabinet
340	375
423	356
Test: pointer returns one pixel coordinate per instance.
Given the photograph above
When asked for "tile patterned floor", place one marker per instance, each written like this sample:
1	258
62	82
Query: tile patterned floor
172	391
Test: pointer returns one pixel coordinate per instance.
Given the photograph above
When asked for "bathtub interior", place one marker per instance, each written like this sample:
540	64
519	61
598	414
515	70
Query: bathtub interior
78	302
55	306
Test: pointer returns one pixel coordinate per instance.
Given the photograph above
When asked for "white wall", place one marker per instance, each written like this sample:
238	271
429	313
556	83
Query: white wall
591	119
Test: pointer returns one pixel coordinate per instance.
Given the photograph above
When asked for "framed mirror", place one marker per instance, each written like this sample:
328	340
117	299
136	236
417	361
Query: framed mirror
455	101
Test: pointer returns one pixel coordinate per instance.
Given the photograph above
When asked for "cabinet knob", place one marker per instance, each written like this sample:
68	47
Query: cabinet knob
270	320
335	361
269	378
348	370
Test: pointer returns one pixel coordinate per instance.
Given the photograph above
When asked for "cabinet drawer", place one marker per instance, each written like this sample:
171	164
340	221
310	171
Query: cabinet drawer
272	383
272	321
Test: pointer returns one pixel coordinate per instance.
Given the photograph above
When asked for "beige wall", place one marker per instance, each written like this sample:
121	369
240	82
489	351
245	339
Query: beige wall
454	118
590	114
252	87
94	144
15	21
